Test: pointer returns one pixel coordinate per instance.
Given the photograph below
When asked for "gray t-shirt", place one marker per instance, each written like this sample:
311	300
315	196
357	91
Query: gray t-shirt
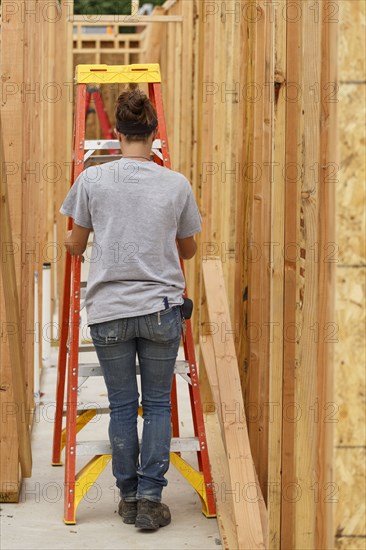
136	210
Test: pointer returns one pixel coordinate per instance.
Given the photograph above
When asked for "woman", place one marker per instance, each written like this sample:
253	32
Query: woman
139	212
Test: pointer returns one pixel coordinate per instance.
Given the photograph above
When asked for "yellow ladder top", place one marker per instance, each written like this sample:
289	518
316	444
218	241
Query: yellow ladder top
117	74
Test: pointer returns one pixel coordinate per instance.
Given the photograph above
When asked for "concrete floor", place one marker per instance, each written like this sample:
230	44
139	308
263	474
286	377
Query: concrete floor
36	521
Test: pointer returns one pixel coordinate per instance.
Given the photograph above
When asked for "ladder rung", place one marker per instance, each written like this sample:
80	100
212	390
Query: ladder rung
178	444
100	410
107	144
93	369
83	349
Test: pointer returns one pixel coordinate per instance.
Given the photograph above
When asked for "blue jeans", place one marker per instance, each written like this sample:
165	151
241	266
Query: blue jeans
155	338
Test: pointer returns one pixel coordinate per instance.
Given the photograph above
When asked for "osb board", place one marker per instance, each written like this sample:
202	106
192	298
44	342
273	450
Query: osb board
349	492
350	354
351	176
352	543
352	38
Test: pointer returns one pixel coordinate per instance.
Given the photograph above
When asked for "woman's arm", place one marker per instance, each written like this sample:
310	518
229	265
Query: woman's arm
77	239
187	248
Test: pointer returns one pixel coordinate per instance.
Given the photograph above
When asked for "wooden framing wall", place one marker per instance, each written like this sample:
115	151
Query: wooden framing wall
264	143
251	102
35	101
121	45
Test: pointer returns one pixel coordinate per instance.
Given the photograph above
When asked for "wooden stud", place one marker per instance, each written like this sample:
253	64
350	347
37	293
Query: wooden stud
308	115
12	36
16	406
30	246
277	283
326	310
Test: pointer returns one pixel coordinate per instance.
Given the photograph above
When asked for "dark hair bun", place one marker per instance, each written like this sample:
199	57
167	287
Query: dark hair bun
136	102
134	105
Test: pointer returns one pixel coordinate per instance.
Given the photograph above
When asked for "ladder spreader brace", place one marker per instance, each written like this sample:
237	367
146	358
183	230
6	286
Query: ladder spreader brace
76	485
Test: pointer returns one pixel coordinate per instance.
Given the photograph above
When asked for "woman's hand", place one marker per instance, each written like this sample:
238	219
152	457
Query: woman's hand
76	240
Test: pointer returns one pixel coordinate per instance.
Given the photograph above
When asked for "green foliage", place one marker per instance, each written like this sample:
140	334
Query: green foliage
108	7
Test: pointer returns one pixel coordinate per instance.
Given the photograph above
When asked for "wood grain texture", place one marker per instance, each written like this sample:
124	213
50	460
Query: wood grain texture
277	282
291	273
326	275
221	479
14	341
306	368
12	37
209	365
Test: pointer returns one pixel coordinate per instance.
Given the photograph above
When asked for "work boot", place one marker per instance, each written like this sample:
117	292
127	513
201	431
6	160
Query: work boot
152	515
128	511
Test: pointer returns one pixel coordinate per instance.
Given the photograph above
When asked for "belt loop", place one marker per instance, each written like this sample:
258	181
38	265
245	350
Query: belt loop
166	303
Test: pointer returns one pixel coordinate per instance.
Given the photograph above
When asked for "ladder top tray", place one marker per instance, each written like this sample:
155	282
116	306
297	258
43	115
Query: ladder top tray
117	74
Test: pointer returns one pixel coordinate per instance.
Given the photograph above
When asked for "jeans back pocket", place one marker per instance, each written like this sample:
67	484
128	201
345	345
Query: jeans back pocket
166	325
108	332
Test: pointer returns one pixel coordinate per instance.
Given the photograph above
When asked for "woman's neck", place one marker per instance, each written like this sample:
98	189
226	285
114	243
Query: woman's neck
137	150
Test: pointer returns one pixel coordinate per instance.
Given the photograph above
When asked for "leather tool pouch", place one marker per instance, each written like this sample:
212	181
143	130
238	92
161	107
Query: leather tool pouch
187	308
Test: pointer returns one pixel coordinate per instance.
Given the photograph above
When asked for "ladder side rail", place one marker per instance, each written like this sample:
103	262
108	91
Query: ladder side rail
103	119
72	395
87	102
72	378
65	318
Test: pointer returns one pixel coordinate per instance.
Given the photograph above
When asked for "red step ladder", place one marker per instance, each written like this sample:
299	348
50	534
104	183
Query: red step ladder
77	484
94	93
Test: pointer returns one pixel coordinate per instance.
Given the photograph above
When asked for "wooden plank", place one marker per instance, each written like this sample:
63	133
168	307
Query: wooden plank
246	512
12	318
29	201
230	107
221	479
277	283
194	271
267	182
63	139
124	20
177	98
241	233
251	287
326	312
152	40
259	286
307	286
12	29
210	367
292	202
245	193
